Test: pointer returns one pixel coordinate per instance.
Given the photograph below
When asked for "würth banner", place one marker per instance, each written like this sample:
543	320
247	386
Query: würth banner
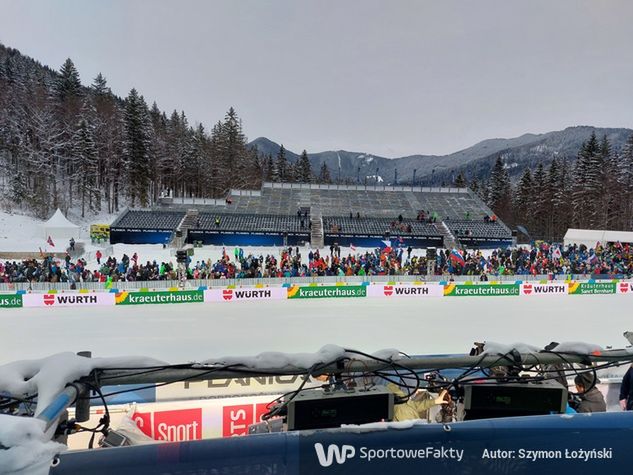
405	290
538	290
244	293
68	299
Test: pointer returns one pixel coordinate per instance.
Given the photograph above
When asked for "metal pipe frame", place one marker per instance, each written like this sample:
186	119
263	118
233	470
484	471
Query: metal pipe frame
205	373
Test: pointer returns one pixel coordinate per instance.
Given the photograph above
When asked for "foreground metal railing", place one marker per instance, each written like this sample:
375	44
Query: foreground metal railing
220	371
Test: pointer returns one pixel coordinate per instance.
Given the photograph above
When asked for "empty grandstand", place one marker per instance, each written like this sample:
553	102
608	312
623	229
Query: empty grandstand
473	233
145	227
293	213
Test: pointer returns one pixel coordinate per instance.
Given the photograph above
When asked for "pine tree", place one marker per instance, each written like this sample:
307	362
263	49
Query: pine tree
539	205
86	158
551	213
136	147
523	200
587	184
68	84
460	181
499	191
561	199
625	181
281	165
304	169
100	87
234	153
609	209
324	174
270	168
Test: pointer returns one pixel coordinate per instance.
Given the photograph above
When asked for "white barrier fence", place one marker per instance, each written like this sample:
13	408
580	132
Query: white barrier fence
272	282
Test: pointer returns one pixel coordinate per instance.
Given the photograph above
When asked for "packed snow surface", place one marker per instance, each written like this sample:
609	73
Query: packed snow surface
197	332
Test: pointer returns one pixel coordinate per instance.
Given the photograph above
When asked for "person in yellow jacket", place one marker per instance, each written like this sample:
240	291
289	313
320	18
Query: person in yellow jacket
415	407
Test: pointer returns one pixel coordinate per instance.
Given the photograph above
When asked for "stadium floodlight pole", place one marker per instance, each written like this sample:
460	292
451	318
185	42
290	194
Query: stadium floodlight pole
211	372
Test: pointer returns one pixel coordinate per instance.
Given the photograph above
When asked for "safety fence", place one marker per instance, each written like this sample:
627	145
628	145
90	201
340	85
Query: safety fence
193	284
385	290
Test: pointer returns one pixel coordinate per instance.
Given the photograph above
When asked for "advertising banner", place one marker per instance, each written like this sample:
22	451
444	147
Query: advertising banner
326	291
625	288
245	293
587	288
205	419
10	300
230	387
540	290
140	298
68	300
405	290
487	290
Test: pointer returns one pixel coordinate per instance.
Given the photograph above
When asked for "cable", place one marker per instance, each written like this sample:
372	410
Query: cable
395	366
104	423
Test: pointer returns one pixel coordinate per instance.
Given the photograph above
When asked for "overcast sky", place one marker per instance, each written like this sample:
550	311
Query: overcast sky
386	77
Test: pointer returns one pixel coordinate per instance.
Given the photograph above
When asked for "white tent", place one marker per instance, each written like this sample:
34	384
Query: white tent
59	227
589	237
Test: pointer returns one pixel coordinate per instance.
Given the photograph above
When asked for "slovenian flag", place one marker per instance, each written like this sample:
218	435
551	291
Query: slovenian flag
457	257
352	247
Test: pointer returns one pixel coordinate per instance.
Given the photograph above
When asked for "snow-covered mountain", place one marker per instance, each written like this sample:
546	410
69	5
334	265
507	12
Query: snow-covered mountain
476	161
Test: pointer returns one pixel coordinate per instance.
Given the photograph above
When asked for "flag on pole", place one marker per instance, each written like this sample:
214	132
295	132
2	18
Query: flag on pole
352	247
50	241
457	257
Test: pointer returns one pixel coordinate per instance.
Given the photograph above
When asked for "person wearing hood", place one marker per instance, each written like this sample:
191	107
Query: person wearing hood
591	399
626	390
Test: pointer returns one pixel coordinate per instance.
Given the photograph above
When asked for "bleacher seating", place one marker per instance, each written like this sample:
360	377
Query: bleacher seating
377	226
252	222
349	213
167	220
464	229
332	200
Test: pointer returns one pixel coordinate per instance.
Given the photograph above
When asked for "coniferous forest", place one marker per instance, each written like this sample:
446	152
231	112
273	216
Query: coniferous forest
67	145
594	191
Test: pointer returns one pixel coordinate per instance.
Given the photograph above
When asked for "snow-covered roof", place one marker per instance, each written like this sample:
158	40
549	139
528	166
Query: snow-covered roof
58	220
590	237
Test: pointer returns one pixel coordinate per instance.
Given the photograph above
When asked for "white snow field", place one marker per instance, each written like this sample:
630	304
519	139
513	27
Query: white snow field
194	332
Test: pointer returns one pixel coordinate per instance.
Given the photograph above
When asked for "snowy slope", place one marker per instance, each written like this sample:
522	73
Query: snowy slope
20	233
182	333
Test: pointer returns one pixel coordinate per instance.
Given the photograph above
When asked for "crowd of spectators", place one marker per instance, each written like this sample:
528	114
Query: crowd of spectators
613	258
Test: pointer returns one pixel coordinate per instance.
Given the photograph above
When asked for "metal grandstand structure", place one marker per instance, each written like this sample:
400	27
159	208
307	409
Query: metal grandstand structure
294	213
